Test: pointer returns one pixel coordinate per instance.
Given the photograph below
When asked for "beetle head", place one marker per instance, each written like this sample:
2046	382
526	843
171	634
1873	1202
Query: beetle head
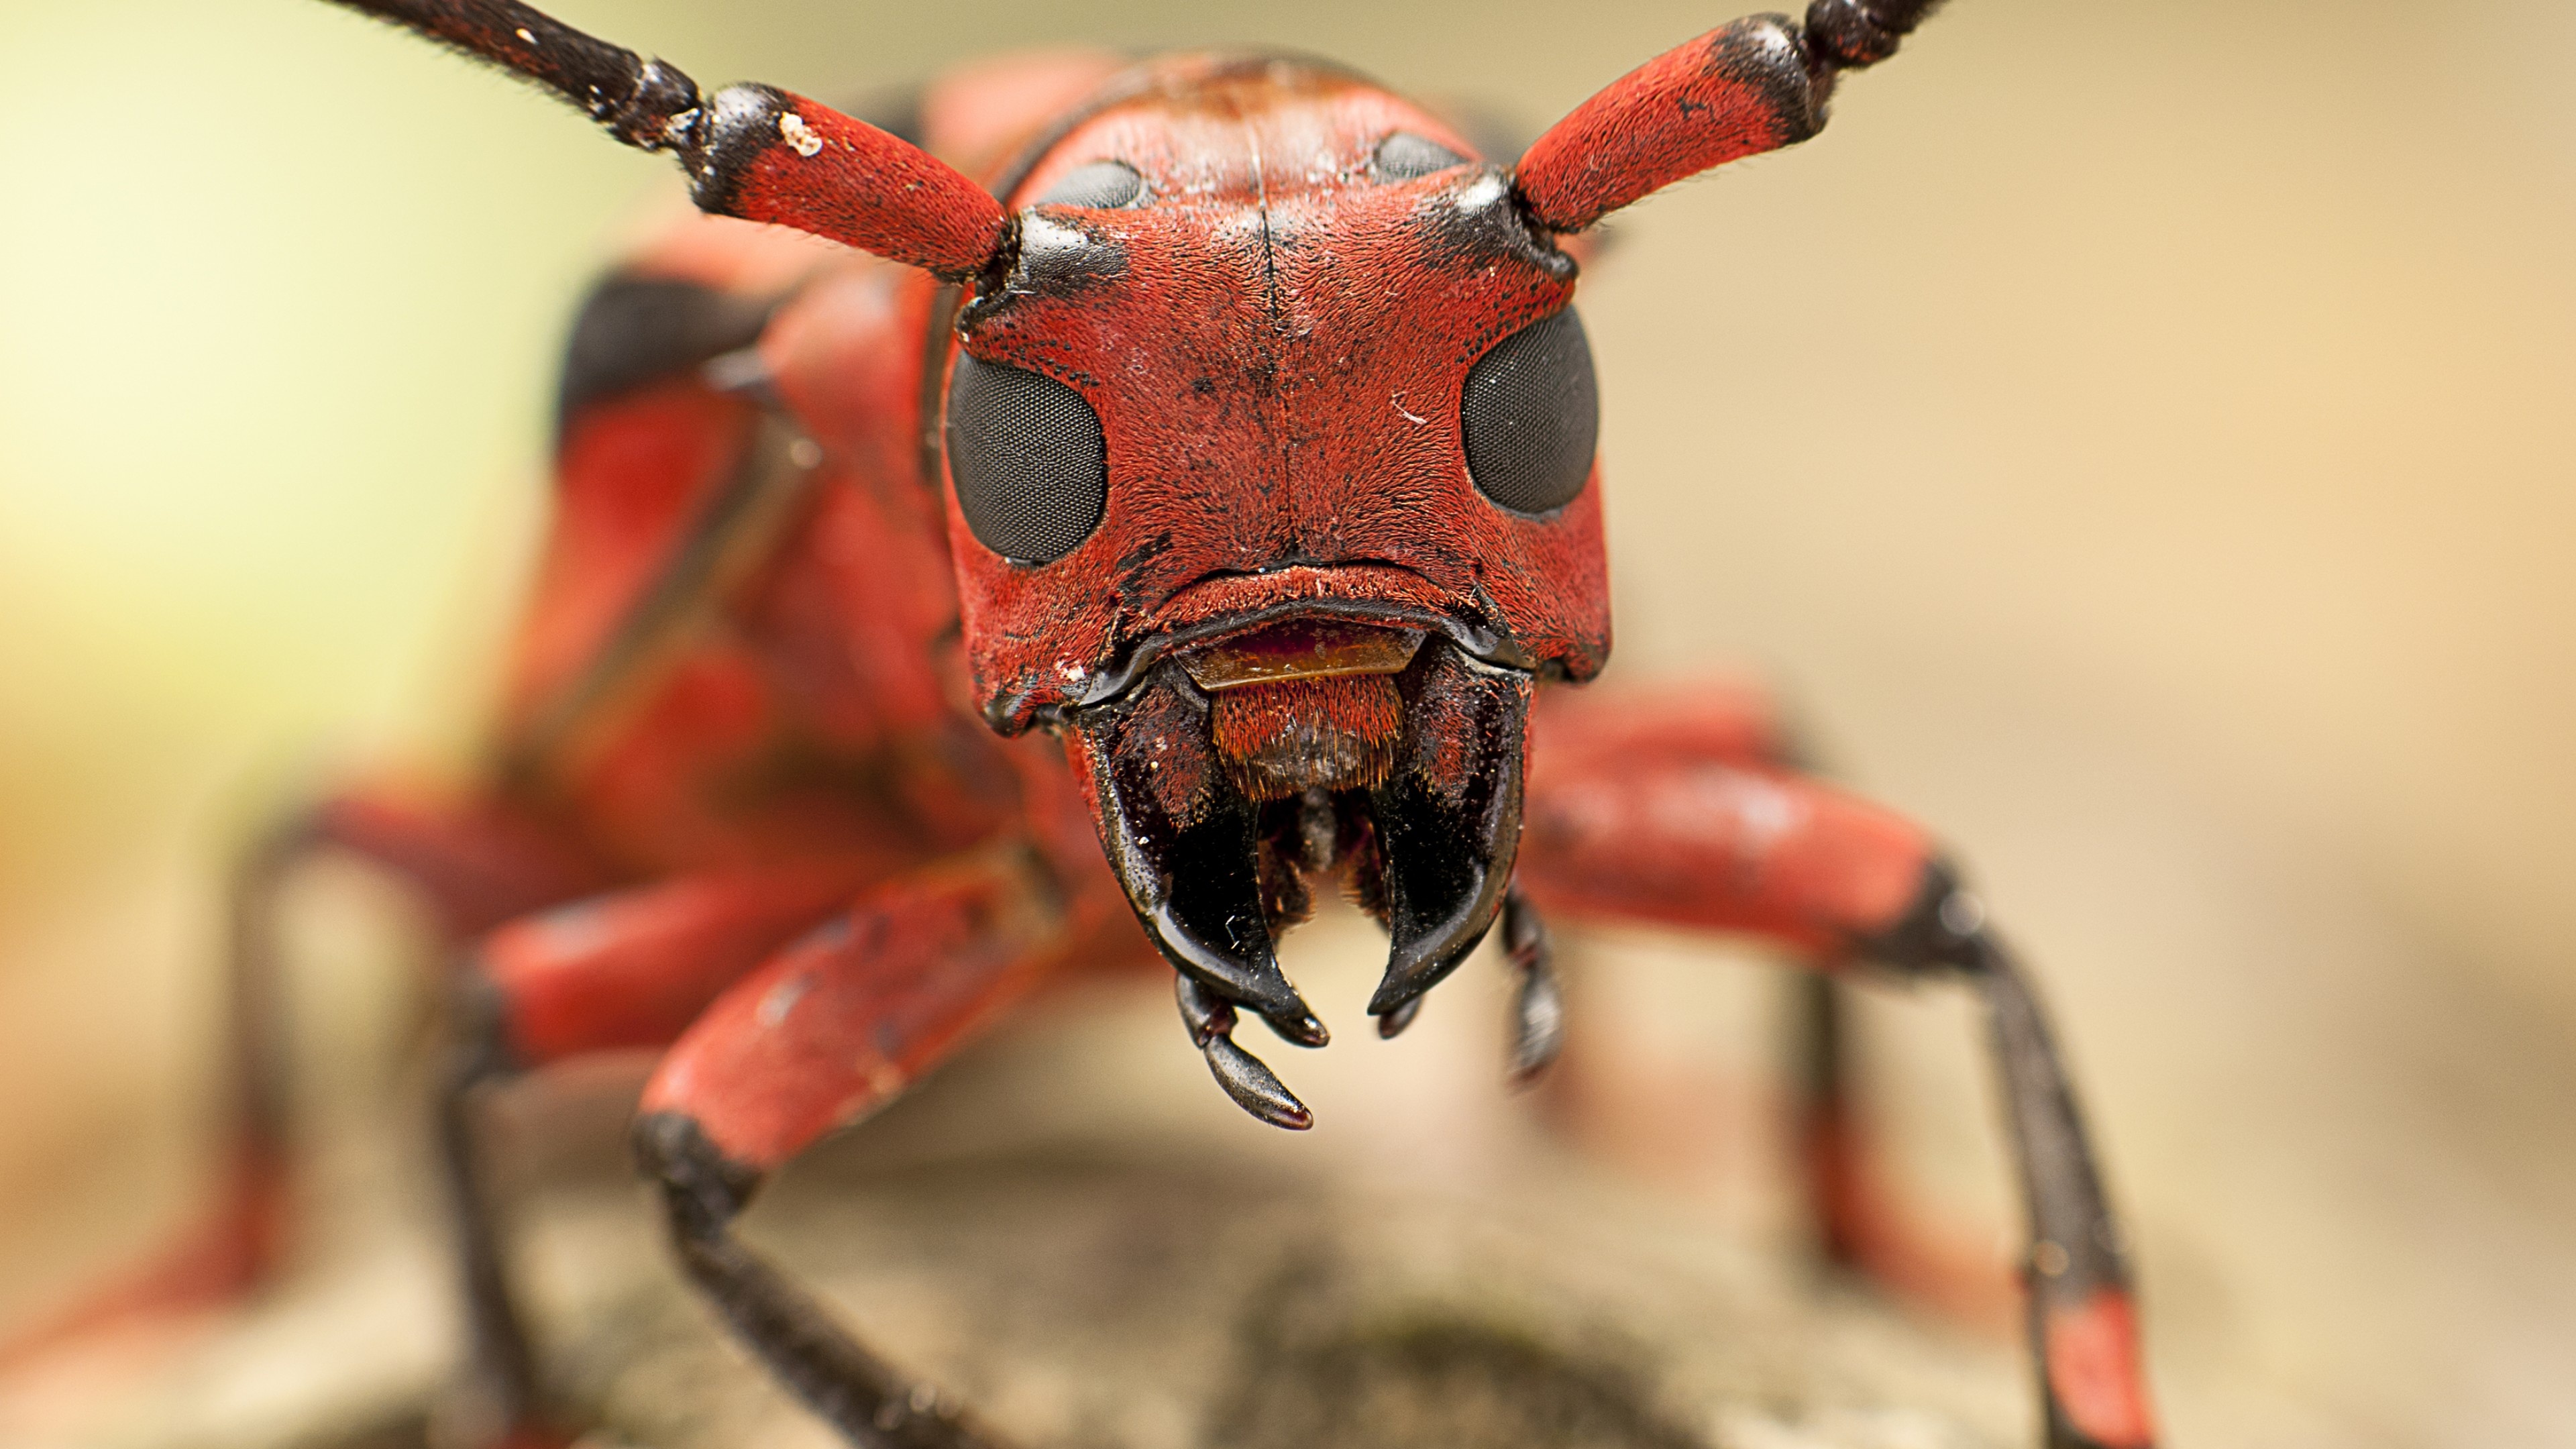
1270	459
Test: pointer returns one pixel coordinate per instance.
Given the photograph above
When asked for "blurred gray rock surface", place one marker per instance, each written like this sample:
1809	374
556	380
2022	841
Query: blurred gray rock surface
1073	1233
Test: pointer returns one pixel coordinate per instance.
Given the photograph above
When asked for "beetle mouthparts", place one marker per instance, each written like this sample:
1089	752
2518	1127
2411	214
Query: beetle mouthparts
1448	822
1302	649
1217	802
1183	843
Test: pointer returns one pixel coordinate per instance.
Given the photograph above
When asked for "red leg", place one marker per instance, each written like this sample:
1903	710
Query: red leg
475	862
472	867
633	969
627	970
1705	719
817	1038
1725	845
1618	784
1859	1221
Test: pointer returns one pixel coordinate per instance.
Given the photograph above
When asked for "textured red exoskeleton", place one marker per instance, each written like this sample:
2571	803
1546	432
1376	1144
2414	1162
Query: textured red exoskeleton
1211	515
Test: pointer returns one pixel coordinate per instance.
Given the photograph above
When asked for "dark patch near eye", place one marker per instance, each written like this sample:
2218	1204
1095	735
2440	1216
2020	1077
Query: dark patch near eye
1055	258
1530	413
1469	226
632	331
1102	185
1405	156
1030	463
1058	260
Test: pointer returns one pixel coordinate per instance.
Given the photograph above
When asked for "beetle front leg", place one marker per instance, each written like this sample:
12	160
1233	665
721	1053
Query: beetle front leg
497	1401
2083	1309
871	1402
1683	837
821	1035
631	969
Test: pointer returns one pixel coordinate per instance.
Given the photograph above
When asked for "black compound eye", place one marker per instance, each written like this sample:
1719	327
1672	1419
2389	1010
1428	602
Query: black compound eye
1105	185
1531	413
1031	466
1404	156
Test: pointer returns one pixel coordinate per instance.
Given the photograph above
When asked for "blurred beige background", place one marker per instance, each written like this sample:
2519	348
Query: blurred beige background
2137	437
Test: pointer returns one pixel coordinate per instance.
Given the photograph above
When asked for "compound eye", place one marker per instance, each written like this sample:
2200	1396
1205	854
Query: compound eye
1530	414
1405	156
1030	464
1102	185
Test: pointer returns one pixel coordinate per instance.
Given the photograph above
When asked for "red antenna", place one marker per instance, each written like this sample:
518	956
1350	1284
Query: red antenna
1753	86
751	151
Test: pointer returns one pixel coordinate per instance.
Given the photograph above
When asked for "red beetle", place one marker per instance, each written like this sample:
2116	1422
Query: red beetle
1212	516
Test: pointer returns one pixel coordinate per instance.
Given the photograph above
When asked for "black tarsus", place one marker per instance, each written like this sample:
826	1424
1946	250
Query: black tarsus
852	1389
1940	926
255	1017
500	1391
2076	1246
1820	1043
502	1388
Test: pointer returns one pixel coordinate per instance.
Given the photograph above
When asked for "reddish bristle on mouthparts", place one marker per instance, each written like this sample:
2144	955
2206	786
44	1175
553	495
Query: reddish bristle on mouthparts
1283	739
